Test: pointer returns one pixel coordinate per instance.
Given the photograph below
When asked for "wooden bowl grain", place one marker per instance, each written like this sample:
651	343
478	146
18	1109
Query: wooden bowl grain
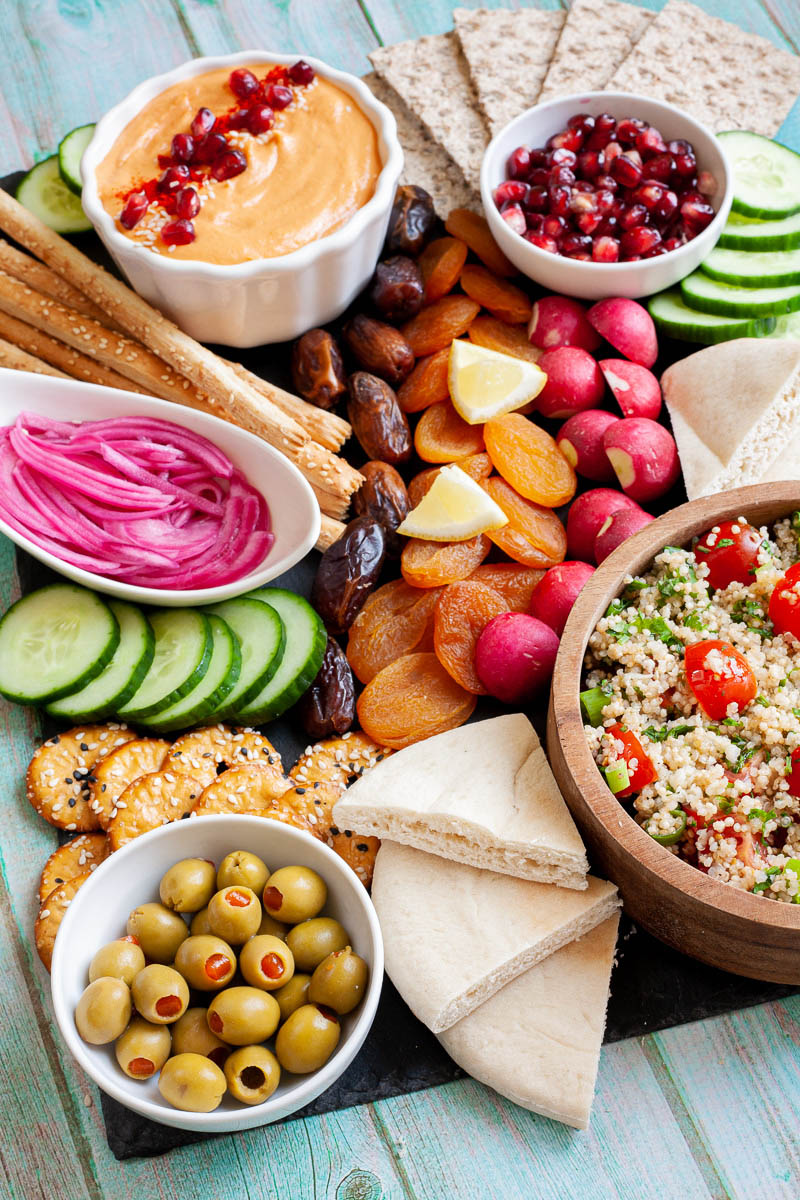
709	920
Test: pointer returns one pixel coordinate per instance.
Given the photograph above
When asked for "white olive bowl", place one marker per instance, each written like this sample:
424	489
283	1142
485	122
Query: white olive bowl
99	912
266	299
593	280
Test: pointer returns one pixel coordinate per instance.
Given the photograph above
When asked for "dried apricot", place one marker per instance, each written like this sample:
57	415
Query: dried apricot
462	613
534	536
477	466
427	383
393	622
515	584
432	564
530	460
442	436
505	339
412	699
440	265
435	327
474	229
503	299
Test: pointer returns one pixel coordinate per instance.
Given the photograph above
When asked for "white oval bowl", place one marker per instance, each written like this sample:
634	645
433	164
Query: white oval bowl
590	280
294	511
266	299
100	910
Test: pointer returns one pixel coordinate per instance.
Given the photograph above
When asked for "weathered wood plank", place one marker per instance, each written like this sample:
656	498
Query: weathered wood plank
415	18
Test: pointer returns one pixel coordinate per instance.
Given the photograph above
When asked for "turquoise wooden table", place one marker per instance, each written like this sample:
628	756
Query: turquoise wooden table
704	1110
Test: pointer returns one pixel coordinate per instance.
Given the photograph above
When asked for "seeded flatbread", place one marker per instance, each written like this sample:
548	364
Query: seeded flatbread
79	856
52	914
245	788
508	54
597	37
206	753
724	76
118	770
150	802
60	773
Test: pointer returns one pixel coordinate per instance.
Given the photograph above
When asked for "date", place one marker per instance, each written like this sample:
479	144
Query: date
397	290
317	369
347	573
378	421
412	221
383	497
329	705
379	348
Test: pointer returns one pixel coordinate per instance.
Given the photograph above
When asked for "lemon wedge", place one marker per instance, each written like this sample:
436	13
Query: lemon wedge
484	383
455	509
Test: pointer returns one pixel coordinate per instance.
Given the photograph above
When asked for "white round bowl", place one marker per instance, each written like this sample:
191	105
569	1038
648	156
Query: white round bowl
100	910
293	507
590	280
265	299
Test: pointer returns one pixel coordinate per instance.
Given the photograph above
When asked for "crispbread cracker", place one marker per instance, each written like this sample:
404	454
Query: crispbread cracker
596	38
79	856
206	753
508	54
150	802
721	74
52	914
117	770
245	788
432	77
60	774
426	164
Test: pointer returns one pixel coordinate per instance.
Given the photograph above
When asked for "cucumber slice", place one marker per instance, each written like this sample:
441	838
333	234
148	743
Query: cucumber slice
53	642
713	296
262	638
753	268
305	645
70	153
217	683
116	684
674	317
740	233
787	326
182	655
44	193
766	175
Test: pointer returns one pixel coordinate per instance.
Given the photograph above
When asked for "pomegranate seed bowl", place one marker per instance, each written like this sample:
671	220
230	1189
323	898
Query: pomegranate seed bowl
606	194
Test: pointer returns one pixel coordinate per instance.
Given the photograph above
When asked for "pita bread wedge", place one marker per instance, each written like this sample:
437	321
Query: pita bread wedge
597	36
537	1041
454	935
734	408
483	795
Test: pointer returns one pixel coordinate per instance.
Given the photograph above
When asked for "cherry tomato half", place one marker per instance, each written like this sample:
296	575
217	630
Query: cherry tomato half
719	676
784	603
730	551
794	773
640	767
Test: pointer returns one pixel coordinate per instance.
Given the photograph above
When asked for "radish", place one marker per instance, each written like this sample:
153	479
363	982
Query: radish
558	321
587	513
580	440
628	327
557	591
515	656
644	457
574	382
636	390
622	524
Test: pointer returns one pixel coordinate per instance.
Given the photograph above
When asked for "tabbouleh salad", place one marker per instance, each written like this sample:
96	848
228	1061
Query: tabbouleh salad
692	703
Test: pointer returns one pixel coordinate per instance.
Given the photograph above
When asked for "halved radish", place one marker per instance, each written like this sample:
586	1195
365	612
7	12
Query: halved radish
586	515
636	390
515	656
644	457
557	591
628	327
580	440
618	528
559	321
574	382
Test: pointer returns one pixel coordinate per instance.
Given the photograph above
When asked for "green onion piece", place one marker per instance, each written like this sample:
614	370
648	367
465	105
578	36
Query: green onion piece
593	701
617	776
668	839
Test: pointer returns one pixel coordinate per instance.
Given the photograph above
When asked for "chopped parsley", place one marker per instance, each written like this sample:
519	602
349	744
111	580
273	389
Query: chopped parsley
723	542
661	735
636	585
693	620
763	701
761	814
770	873
724	804
751	614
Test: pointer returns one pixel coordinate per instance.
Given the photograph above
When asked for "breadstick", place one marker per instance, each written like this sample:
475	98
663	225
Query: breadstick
19	360
329	532
38	276
326	428
61	356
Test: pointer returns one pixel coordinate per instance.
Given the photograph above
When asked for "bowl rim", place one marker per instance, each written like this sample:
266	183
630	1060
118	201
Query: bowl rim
115	120
220	1120
618	824
610	271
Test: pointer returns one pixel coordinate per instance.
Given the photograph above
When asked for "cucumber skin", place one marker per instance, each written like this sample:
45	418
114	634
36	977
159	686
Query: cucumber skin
151	710
709	335
63	170
300	684
109	711
719	308
756	211
224	712
730	240
201	713
750	280
73	225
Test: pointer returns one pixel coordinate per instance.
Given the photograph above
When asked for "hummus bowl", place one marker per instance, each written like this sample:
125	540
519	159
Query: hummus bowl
261	300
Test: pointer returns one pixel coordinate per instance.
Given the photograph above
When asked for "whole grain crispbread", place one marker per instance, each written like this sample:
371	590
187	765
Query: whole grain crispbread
596	38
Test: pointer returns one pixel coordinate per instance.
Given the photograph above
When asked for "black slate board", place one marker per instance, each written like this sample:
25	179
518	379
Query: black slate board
652	986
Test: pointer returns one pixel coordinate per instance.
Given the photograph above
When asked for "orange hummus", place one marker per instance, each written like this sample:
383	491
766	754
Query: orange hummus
305	177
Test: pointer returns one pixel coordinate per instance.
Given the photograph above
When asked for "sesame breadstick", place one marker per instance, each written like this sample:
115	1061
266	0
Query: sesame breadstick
324	427
64	358
15	359
38	276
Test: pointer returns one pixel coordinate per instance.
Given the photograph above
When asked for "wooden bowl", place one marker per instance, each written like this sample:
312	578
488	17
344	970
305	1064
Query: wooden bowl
712	921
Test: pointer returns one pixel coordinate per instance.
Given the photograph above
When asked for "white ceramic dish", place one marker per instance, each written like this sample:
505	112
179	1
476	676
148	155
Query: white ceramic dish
267	299
590	280
100	909
293	507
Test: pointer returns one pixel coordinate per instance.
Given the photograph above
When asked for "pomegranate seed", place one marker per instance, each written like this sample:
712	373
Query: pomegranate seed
534	221
605	201
538	157
279	97
182	147
543	242
649	142
514	217
660	167
629	129
591	162
512	190
135	208
536	200
584	185
639	240
667	206
576	243
178	233
648	194
203	122
554	227
598	139
674	242
164	160
173	179
539	177
568	139
608	227
612	151
605	122
588	222
654	253
228	165
238	118
260	119
605	249
689	194
631	257
679	146
559	198
706	183
519	163
606	183
209	148
633	215
301	73
626	171
243	83
696	215
581	121
685	164
563	158
583	202
561	175
187	203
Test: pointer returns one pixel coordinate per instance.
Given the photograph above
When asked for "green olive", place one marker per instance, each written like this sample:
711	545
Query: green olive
160	994
266	962
240	866
294	894
270	925
206	962
192	1082
307	1039
160	931
242	1016
252	1074
234	913
122	959
292	995
313	940
191	1035
200	923
188	885
143	1048
339	981
103	1010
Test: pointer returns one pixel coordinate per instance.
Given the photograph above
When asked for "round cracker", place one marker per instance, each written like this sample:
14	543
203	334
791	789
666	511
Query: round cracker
206	753
52	914
357	851
150	802
141	756
79	856
314	802
339	760
244	789
60	773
